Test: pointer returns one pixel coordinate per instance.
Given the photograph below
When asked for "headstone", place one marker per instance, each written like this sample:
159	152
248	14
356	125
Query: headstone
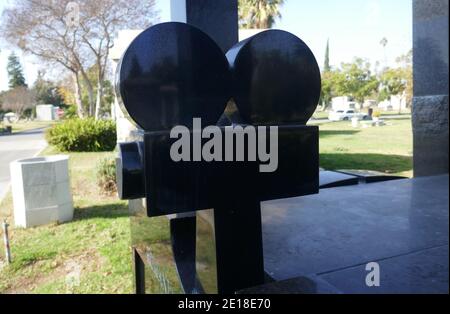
174	73
41	191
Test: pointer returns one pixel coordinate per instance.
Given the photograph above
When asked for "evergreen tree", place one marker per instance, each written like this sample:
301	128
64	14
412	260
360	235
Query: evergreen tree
15	72
326	66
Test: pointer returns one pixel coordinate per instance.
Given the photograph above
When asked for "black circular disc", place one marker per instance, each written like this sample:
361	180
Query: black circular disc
276	79
172	73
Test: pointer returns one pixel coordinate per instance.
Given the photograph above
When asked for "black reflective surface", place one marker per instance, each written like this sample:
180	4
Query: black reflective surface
176	187
402	224
129	171
171	73
276	79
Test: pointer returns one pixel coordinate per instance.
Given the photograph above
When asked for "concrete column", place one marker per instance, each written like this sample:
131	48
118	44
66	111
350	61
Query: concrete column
430	103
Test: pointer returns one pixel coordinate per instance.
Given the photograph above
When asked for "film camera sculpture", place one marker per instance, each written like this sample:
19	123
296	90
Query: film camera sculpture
196	224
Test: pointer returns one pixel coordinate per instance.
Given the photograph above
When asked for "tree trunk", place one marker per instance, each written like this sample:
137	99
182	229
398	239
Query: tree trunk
91	98
98	102
90	91
78	101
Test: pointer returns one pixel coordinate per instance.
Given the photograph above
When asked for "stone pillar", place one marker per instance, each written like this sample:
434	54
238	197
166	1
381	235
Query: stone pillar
217	18
430	103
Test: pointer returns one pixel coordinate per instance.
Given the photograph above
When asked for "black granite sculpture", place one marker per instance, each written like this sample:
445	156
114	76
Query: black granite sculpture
200	228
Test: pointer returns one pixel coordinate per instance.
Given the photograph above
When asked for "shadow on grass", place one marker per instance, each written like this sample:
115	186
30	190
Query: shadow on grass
112	210
388	118
38	130
374	162
326	133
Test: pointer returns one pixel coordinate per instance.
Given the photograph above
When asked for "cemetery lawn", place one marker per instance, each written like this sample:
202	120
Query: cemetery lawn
386	149
29	125
95	245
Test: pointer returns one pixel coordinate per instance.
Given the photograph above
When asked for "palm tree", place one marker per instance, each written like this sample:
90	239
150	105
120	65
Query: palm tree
384	42
259	14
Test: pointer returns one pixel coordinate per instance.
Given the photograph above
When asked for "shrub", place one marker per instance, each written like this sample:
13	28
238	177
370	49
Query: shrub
106	175
83	135
70	112
376	114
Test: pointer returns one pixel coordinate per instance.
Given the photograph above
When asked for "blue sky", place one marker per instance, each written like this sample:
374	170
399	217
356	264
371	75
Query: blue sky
354	28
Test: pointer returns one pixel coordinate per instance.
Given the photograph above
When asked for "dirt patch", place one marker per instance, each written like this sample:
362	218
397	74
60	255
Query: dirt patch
67	268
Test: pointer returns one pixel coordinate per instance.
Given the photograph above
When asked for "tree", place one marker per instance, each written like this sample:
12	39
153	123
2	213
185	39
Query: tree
100	20
67	94
326	65
40	27
330	80
260	14
356	80
15	72
46	92
399	80
327	80
74	35
392	83
18	100
107	91
384	42
405	63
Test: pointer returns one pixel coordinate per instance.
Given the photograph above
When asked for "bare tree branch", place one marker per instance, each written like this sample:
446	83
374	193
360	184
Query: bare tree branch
41	28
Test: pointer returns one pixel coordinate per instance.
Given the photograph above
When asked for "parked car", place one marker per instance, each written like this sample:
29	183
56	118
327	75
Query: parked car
345	115
10	117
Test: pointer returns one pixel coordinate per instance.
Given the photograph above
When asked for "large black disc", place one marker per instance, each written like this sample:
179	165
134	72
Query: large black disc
276	79
170	74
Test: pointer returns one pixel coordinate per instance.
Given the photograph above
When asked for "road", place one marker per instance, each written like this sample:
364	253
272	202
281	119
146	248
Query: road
18	146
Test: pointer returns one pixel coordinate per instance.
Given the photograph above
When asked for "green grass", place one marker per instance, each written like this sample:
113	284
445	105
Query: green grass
405	113
384	114
387	149
95	245
29	125
320	115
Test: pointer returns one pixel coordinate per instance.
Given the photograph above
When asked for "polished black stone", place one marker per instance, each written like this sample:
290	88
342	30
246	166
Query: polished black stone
204	15
171	73
230	254
276	79
129	171
333	179
176	187
401	224
368	176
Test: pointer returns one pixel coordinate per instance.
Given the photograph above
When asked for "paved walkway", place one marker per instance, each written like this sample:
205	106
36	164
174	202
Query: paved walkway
21	145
